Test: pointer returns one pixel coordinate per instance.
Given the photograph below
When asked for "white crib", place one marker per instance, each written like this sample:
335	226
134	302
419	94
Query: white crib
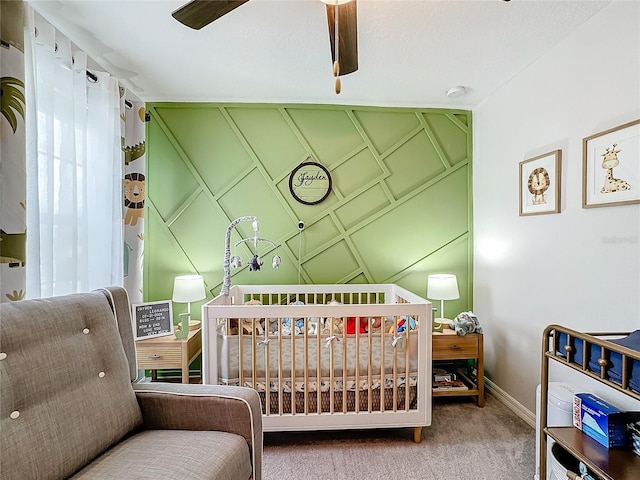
309	371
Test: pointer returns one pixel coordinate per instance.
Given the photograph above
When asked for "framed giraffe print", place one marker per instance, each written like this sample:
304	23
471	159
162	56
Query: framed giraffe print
611	167
540	184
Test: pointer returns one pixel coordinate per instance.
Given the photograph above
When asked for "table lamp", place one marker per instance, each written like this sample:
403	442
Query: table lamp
443	286
187	289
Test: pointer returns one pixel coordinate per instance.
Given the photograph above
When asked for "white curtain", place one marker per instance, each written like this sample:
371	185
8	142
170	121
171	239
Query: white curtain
74	169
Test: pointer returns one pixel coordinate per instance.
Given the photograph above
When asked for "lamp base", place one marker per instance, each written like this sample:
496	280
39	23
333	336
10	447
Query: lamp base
440	323
193	325
180	331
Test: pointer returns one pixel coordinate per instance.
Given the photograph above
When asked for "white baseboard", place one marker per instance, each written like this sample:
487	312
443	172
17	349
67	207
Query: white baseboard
511	403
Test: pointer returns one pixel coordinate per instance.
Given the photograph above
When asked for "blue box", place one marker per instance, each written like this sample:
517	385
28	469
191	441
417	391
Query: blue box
602	421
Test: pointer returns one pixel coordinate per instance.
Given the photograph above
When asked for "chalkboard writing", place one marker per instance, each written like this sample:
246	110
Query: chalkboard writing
152	319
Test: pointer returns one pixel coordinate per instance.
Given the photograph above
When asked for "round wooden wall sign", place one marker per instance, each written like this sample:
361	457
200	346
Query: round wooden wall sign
310	183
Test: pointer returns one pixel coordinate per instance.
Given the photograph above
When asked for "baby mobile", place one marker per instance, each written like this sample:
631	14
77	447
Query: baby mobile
235	261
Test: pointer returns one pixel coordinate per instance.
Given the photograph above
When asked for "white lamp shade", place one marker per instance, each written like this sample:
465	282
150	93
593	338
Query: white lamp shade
442	287
188	288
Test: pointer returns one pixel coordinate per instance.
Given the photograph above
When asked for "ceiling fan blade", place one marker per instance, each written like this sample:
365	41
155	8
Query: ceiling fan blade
347	35
200	13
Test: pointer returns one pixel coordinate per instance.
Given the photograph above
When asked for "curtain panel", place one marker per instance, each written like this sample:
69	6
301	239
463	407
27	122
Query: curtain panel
12	147
76	169
134	195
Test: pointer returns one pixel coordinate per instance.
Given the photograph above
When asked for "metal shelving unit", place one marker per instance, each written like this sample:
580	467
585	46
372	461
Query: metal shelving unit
563	345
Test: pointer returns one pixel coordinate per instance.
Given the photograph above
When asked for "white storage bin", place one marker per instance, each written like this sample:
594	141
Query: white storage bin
559	414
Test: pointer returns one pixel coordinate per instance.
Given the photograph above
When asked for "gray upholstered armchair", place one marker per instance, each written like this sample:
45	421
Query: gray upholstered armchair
69	408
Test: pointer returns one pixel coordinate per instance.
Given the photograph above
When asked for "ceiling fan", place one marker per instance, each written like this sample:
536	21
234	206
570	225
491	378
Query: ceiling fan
341	18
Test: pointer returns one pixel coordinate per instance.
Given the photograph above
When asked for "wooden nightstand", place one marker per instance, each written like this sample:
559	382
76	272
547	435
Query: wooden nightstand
450	346
169	352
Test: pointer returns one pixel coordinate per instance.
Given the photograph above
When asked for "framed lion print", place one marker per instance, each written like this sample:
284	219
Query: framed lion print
540	184
611	167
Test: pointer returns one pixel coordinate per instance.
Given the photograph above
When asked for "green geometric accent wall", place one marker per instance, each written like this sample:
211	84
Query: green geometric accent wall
399	209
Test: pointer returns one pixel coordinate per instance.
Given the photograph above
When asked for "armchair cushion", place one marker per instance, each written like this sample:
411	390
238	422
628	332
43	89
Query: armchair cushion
173	455
235	410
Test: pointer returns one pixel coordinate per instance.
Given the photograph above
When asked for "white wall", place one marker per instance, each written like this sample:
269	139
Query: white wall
581	267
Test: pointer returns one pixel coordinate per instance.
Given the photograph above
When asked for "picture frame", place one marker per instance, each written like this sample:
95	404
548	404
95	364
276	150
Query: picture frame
152	319
611	167
540	180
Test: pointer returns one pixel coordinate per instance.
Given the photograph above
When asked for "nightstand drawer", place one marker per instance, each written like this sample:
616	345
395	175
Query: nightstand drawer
158	356
454	346
168	352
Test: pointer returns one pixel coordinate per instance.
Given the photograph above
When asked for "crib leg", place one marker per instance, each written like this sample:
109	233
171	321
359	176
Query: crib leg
417	434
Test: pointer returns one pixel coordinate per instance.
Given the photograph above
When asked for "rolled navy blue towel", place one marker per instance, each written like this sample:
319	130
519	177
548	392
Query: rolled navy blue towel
614	367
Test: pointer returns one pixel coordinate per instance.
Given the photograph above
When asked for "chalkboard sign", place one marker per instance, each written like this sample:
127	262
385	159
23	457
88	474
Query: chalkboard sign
152	319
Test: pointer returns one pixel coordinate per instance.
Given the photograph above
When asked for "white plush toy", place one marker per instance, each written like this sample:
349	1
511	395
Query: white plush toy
466	322
312	326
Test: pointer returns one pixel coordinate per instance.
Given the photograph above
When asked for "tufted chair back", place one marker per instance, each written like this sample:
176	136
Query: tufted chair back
65	381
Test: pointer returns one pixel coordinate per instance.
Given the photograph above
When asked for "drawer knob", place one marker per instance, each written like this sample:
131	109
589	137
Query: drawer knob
155	356
456	347
602	362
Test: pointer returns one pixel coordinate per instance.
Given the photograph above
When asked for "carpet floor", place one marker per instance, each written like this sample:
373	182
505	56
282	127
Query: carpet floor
464	442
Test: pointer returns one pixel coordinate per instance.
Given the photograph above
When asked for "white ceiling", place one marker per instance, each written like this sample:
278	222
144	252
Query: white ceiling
410	51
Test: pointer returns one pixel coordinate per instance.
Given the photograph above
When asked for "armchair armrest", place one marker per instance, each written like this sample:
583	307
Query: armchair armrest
173	406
